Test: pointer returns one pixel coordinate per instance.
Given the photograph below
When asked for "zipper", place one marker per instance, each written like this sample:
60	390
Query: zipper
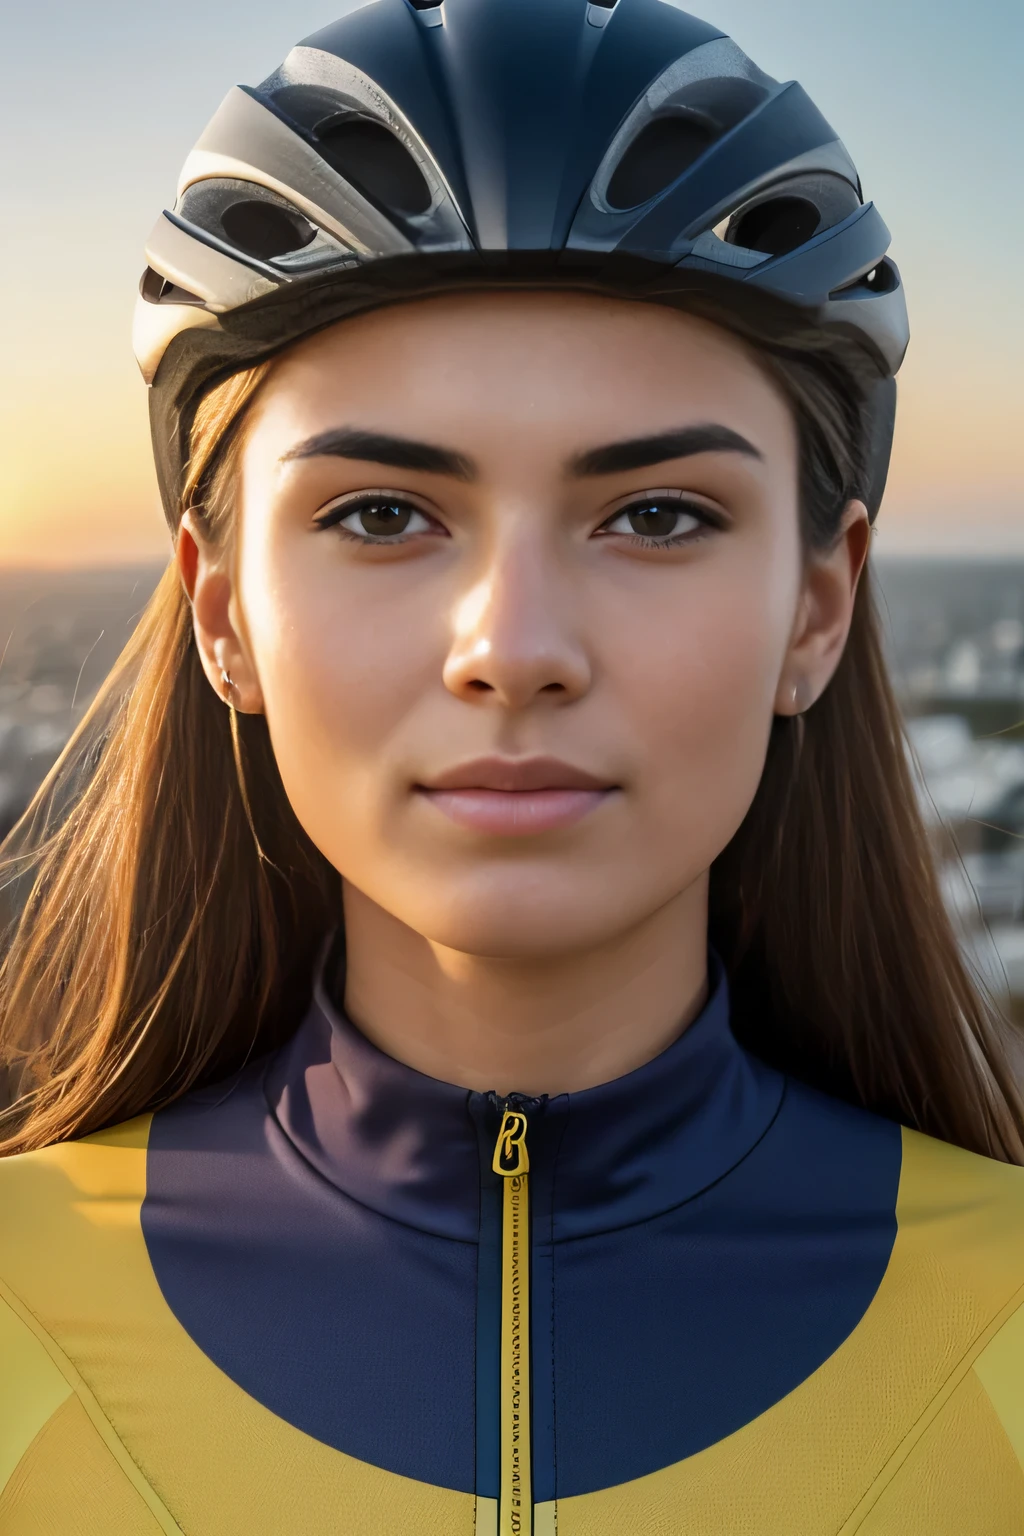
511	1162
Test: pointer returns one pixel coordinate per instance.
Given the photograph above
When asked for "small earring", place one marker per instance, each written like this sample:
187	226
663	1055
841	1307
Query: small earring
228	683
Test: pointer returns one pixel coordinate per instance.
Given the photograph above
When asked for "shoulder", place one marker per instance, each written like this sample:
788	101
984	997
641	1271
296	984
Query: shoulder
955	1271
960	1219
63	1209
72	1183
930	1381
67	1213
965	1211
955	1289
69	1269
948	1320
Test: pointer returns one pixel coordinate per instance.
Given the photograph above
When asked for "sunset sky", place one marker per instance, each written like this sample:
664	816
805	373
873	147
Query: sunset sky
101	103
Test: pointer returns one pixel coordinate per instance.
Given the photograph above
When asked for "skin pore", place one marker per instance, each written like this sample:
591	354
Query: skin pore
452	544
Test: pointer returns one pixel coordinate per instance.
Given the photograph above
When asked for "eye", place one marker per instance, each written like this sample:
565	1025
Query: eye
661	520
376	519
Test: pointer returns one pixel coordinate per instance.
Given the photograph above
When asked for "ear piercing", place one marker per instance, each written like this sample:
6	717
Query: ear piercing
228	683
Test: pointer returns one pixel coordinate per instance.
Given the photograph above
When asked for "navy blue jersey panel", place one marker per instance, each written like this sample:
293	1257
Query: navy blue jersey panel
350	1326
394	1140
488	1312
671	1335
635	1147
327	1228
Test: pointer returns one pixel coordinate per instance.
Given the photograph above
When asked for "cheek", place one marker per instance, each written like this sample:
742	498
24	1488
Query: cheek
701	706
340	686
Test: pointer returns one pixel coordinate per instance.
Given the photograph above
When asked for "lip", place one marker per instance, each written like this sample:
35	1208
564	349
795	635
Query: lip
516	775
515	797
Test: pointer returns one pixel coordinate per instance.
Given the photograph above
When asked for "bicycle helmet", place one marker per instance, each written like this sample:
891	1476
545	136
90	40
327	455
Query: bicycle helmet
415	145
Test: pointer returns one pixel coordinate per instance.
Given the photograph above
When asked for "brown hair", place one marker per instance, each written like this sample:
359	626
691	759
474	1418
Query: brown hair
164	924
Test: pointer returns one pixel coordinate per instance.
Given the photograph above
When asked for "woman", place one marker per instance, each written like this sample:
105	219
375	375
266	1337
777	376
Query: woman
393	1153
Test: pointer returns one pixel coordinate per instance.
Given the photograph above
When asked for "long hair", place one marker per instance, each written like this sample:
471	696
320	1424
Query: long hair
166	906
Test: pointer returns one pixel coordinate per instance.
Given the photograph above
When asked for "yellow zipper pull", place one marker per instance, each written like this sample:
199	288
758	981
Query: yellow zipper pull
512	1162
510	1154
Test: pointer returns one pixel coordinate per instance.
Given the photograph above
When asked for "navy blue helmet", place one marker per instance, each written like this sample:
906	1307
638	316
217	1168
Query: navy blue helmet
414	145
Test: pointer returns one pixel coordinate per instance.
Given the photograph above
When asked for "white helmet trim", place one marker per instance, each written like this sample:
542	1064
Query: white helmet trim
245	141
212	275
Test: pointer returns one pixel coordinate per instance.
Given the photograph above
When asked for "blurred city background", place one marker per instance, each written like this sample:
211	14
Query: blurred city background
955	629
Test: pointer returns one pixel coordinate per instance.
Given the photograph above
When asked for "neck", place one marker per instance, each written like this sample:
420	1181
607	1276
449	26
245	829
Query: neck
534	1025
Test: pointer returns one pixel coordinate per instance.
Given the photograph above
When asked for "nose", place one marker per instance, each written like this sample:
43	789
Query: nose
515	635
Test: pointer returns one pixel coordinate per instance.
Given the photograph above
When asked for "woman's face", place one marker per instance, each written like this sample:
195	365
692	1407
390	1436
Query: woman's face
519	586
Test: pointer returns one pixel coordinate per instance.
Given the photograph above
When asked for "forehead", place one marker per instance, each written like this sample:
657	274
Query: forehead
573	367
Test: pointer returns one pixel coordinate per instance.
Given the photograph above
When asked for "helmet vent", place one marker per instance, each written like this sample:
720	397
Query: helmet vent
657	157
376	163
157	289
775	227
265	230
881	279
599	12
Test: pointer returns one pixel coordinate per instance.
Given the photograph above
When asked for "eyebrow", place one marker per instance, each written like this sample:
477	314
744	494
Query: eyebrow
610	459
383	448
641	452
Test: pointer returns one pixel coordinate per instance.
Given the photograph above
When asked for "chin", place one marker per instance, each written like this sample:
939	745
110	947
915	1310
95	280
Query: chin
520	925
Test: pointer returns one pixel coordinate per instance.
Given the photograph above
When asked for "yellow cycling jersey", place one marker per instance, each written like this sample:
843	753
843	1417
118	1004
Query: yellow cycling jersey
333	1296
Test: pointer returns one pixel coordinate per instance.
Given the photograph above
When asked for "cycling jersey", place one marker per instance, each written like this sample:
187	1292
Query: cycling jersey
333	1295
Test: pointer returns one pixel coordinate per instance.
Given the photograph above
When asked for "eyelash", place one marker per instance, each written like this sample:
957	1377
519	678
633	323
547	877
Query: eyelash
708	520
335	515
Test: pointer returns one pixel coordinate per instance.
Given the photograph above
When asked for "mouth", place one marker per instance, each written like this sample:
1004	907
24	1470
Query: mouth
516	797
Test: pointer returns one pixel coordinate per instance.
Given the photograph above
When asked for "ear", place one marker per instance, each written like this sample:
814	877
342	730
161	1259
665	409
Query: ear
824	614
208	580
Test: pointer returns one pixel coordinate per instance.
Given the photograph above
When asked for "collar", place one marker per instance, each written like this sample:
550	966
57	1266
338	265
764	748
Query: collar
418	1150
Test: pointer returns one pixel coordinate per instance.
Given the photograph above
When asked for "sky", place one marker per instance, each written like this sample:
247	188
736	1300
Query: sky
102	102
